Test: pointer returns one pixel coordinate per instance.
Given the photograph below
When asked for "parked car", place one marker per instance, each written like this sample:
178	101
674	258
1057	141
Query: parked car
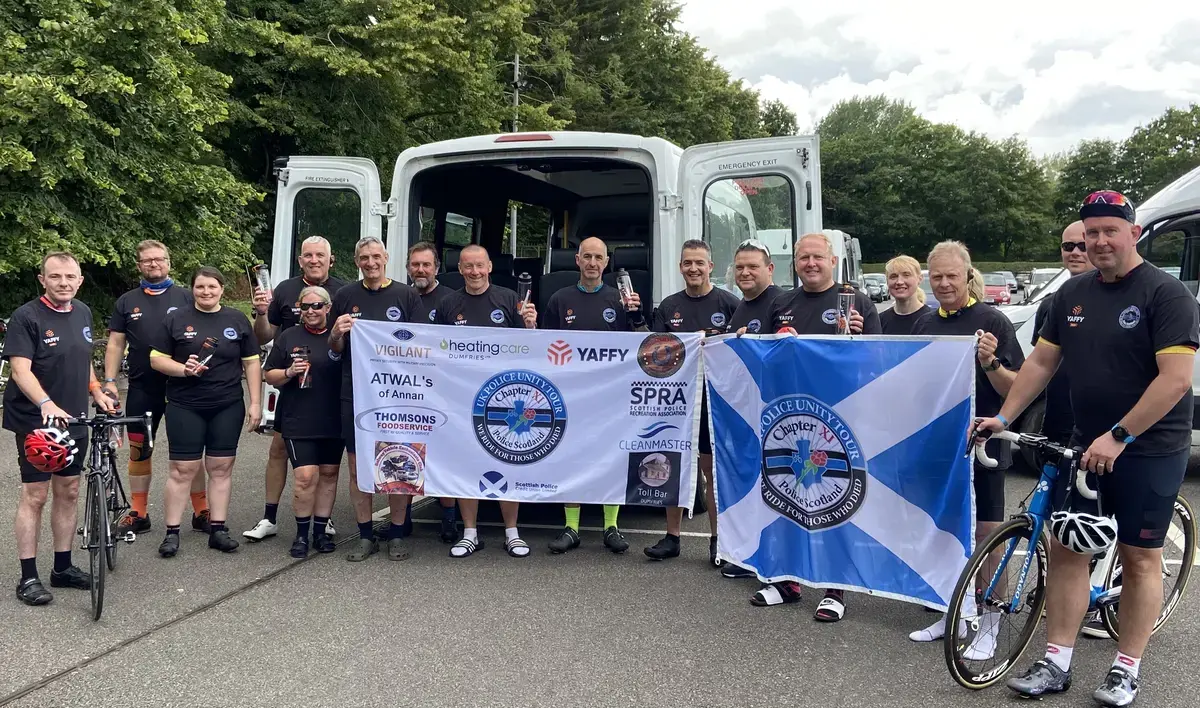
995	289
875	285
1010	280
928	288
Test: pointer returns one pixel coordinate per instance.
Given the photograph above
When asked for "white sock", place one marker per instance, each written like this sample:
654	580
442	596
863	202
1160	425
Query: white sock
471	534
1128	663
1059	655
511	533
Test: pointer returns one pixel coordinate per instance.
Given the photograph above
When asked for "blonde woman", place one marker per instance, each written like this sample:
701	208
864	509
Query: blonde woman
904	285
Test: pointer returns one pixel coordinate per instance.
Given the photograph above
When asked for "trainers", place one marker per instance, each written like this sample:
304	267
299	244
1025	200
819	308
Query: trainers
322	543
200	522
614	541
264	529
733	570
134	522
72	577
1041	678
219	540
1093	627
32	592
299	548
170	546
568	539
1119	688
668	547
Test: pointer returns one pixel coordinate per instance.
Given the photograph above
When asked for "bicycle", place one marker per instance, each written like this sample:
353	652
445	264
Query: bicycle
1030	524
4	375
106	503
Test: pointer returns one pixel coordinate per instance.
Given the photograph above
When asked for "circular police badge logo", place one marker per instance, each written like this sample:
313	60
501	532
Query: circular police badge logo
87	334
393	313
717	319
829	316
497	316
334	356
230	333
753	326
519	417
432	315
1130	317
661	355
814	472
610	315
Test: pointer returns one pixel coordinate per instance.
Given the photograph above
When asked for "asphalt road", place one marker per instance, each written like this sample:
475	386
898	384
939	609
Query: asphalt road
257	628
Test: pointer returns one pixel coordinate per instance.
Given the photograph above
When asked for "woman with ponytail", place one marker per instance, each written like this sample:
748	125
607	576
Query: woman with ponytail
904	285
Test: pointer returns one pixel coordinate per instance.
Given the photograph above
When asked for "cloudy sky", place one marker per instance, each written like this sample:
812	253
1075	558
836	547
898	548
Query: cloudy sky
1051	71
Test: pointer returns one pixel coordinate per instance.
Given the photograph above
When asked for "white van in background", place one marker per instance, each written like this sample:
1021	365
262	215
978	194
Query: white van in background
1170	222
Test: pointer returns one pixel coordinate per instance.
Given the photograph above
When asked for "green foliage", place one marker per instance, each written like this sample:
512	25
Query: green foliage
778	120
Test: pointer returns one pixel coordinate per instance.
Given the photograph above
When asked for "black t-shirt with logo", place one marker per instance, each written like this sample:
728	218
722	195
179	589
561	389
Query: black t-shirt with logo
284	310
1058	420
755	315
431	302
183	335
966	322
1110	335
308	412
494	307
816	313
59	347
394	302
681	312
894	323
598	311
139	315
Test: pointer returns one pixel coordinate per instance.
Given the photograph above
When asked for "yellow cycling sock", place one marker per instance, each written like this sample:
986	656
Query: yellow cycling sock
572	517
610	515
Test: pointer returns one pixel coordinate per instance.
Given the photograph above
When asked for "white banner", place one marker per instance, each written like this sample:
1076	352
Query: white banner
526	415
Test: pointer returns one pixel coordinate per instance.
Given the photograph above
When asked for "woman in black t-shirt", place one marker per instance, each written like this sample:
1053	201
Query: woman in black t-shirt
904	285
204	350
309	416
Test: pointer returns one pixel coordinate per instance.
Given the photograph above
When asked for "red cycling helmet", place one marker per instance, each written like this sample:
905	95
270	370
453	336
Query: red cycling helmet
50	449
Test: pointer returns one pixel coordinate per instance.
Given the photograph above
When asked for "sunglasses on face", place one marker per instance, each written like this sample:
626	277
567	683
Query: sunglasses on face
306	306
1069	246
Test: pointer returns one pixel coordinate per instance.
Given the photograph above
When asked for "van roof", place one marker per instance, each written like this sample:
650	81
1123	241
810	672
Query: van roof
1182	195
540	140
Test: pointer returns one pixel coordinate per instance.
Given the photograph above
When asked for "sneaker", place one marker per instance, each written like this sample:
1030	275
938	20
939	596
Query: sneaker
1041	678
200	522
666	548
170	546
565	541
134	522
1093	627
72	577
322	543
1119	688
264	529
219	540
614	541
733	570
299	548
32	592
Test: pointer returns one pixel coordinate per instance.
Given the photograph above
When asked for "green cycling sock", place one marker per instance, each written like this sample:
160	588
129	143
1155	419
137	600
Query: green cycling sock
572	517
610	515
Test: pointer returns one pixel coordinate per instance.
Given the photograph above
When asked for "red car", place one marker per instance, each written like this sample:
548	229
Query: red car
995	289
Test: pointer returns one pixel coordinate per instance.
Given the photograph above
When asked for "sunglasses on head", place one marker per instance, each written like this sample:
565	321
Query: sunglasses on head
306	306
1106	196
755	244
1068	246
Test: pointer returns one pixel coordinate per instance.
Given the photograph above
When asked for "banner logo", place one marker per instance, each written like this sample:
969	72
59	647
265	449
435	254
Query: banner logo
399	467
519	417
402	335
559	353
656	429
492	485
661	355
814	472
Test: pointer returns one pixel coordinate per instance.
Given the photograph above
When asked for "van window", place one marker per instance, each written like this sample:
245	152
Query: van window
334	214
759	207
1176	252
533	224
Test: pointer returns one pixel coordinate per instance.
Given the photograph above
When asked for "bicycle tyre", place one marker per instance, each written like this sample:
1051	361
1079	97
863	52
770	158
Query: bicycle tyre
112	538
95	518
1018	528
1187	518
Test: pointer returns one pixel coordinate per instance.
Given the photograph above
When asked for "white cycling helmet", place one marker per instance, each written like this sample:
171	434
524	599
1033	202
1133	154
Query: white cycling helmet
1082	533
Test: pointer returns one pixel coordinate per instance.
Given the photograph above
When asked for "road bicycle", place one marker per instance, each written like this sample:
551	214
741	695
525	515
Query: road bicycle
1025	536
106	503
3	362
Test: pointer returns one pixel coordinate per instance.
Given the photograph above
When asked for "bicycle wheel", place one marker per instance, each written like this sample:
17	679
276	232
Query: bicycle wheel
94	519
114	494
965	657
1181	541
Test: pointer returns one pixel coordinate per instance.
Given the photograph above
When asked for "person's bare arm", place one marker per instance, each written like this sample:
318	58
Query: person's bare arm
112	359
1031	380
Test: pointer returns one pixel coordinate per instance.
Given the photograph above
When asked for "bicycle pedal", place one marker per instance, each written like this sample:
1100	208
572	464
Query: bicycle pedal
79	531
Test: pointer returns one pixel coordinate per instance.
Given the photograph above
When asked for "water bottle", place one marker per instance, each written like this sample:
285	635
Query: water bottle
305	377
624	285
118	431
524	287
260	277
207	349
845	305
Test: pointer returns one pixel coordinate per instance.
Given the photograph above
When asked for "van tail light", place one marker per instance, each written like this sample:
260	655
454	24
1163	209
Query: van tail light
524	137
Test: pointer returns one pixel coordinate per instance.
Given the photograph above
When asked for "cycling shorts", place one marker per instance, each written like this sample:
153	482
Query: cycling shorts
31	474
306	452
348	425
138	401
989	481
195	433
1139	493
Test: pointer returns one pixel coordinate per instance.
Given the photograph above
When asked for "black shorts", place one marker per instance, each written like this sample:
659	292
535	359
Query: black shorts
989	482
705	434
306	452
30	474
348	425
1139	493
139	400
213	432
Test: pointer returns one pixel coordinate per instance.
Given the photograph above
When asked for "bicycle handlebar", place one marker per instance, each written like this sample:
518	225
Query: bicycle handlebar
1041	443
103	420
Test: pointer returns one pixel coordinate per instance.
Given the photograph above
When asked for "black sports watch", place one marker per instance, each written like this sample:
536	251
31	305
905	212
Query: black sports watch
995	364
1122	435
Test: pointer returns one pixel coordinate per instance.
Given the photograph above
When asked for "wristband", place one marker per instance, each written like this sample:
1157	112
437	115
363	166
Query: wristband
1002	419
110	380
43	402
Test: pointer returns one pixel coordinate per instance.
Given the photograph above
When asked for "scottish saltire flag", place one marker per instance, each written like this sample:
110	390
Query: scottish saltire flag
840	463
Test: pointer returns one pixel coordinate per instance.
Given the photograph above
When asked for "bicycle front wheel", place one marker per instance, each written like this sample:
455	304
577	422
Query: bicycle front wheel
96	519
1009	567
114	512
1179	557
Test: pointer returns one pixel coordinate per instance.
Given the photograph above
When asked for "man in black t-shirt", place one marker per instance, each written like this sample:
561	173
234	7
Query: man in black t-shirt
482	304
422	266
136	321
699	307
49	348
753	272
1128	336
376	297
591	305
275	312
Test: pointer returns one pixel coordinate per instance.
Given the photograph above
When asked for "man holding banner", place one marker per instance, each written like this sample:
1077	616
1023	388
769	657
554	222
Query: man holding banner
482	304
591	305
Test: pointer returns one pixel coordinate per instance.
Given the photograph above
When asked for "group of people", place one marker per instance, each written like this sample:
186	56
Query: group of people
1125	332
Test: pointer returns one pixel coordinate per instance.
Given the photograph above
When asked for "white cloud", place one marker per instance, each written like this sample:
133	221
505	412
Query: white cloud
1051	71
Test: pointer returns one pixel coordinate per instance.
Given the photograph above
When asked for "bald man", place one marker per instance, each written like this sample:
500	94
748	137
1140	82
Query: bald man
592	306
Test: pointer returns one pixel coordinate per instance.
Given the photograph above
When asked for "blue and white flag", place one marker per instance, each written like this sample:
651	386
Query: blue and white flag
840	462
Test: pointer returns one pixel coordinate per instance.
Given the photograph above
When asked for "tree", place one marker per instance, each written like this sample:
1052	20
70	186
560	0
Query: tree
1161	151
1092	165
778	120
